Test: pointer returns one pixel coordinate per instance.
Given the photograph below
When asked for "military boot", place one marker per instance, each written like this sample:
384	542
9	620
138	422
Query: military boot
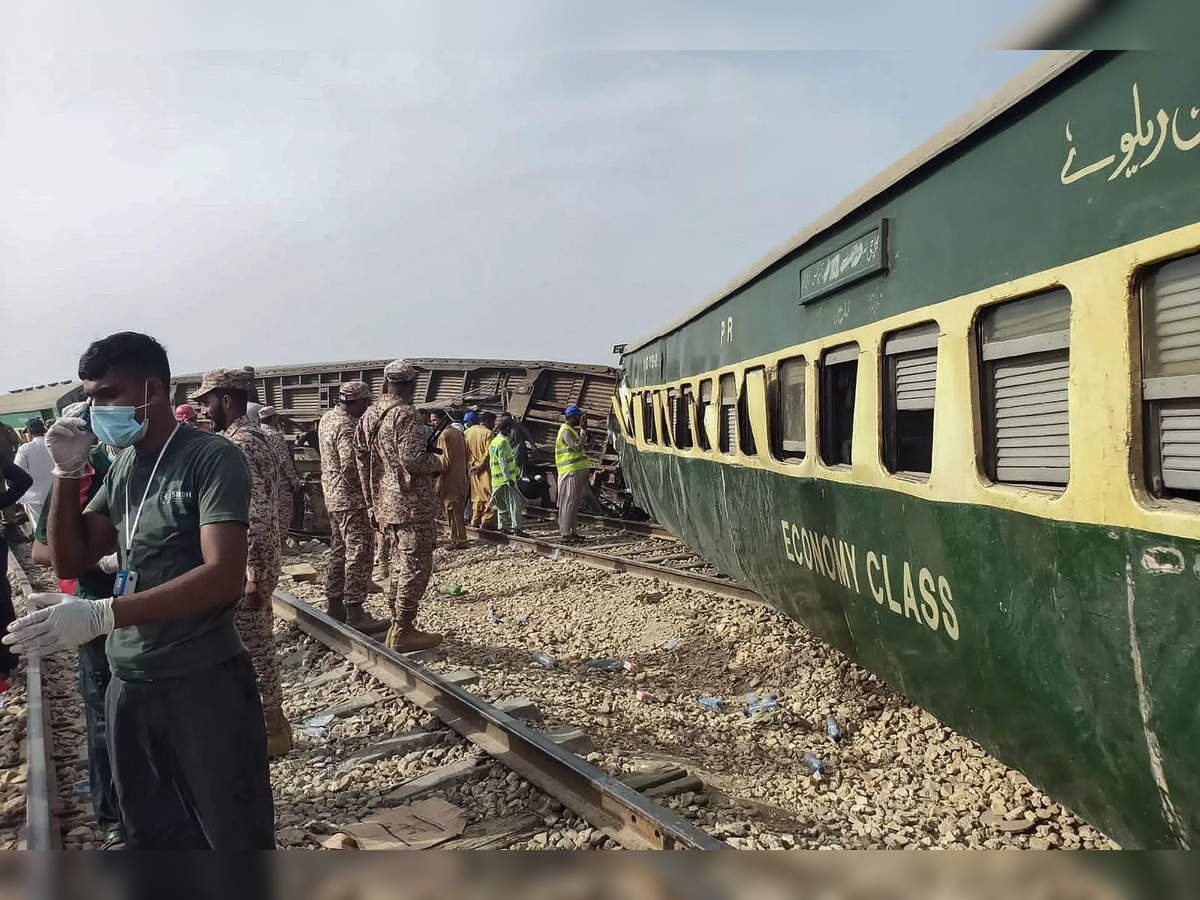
337	610
357	617
409	639
279	733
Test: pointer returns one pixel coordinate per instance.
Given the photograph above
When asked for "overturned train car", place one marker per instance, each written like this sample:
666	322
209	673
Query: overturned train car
954	428
536	392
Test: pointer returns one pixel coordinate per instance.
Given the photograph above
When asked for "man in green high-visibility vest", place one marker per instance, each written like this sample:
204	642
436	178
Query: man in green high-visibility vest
572	463
506	497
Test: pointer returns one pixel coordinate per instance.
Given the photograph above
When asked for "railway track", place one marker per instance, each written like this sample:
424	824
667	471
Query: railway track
655	555
42	828
608	805
627	526
620	812
642	549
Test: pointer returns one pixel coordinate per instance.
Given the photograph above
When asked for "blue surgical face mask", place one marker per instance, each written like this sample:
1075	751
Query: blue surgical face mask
118	426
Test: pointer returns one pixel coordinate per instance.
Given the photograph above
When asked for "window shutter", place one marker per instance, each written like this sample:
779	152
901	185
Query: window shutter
1173	319
916	376
1031	424
728	414
1179	438
729	427
792	405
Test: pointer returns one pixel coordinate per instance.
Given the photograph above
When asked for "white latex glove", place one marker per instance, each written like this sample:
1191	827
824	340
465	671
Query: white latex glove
61	622
69	442
109	564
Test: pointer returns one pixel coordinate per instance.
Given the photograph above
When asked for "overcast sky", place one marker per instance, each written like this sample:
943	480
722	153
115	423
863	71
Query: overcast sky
282	182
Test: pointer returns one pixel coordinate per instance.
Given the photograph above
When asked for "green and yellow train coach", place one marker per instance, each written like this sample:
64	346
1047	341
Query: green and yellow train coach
954	428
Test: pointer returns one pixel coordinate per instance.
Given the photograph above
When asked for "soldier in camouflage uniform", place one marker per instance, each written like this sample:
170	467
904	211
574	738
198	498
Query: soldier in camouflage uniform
348	575
396	468
223	393
289	481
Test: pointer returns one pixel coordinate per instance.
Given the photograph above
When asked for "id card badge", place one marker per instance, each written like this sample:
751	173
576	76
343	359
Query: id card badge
125	583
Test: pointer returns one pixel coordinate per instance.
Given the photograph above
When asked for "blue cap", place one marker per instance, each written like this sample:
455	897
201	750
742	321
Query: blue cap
470	417
573	410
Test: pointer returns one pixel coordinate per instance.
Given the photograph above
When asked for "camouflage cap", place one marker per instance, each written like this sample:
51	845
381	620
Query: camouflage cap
354	390
224	380
399	370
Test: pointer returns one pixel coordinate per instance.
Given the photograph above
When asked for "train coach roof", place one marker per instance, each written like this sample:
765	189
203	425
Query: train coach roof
1045	70
420	363
44	396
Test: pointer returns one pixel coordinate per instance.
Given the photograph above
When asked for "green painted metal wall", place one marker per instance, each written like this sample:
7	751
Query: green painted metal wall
18	419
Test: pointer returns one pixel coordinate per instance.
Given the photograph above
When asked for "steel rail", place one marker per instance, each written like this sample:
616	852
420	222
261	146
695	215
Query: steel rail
42	828
642	529
626	816
612	562
648	529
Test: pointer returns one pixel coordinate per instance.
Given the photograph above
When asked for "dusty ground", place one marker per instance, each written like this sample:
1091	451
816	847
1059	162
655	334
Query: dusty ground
898	777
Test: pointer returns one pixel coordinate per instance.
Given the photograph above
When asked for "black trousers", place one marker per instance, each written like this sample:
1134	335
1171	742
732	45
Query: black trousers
8	659
189	758
93	683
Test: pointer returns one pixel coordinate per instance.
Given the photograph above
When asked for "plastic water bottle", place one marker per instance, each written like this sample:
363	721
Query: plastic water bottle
545	660
756	704
451	590
605	665
832	729
713	703
813	764
491	617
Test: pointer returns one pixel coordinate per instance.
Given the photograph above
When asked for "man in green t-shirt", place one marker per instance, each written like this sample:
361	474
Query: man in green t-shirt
93	665
185	726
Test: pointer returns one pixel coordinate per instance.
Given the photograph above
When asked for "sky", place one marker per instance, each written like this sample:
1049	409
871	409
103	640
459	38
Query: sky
276	183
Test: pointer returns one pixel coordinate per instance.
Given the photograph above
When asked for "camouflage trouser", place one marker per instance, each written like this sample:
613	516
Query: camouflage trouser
383	551
349	572
256	627
412	566
285	514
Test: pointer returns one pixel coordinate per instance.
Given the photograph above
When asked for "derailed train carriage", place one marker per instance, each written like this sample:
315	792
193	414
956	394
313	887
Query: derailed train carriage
536	392
954	428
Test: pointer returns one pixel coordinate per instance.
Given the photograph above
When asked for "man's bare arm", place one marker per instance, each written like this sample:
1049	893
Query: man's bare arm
216	582
76	539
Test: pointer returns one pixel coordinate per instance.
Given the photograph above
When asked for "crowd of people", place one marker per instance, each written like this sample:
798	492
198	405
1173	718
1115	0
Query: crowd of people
167	538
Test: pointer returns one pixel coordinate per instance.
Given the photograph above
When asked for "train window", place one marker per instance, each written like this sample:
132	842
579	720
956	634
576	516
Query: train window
792	440
683	421
1171	377
664	424
745	432
910	375
1025	347
649	433
702	405
729	415
839	379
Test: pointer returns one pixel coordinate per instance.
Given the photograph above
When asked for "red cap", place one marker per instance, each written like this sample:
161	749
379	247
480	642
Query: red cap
184	412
